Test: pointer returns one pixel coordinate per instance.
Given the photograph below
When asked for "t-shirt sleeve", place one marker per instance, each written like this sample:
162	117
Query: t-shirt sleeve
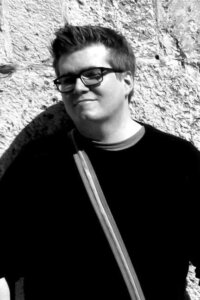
194	209
13	182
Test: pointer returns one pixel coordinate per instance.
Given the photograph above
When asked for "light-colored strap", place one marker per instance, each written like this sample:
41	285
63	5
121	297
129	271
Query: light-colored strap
107	221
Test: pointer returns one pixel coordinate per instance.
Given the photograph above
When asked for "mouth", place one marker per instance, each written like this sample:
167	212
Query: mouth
80	101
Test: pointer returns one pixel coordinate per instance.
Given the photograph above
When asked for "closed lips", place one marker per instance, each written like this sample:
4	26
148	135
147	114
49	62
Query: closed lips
83	100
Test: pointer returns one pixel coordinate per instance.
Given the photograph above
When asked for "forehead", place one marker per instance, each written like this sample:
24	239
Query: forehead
91	56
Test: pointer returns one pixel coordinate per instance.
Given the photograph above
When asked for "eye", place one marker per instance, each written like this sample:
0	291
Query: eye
66	80
94	73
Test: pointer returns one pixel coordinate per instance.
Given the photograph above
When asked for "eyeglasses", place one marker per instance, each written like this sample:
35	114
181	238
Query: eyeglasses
90	78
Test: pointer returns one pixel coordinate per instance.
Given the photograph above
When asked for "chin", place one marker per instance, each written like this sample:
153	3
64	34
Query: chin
88	117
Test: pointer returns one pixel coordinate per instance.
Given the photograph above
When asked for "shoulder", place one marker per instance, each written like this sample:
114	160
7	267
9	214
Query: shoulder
48	145
165	139
171	149
40	152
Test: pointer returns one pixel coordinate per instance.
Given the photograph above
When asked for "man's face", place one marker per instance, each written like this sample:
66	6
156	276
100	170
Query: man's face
97	104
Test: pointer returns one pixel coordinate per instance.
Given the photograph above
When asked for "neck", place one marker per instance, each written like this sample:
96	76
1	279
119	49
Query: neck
110	133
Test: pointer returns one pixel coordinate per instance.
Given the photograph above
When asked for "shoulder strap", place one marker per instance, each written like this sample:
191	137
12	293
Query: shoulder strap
106	220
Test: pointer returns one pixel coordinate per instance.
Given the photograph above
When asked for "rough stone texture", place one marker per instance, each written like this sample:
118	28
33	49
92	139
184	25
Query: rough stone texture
193	287
164	34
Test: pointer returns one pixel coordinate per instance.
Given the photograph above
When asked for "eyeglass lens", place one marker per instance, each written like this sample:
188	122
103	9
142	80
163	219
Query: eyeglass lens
89	77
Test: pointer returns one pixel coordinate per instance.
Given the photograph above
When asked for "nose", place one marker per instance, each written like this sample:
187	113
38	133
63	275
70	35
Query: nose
80	87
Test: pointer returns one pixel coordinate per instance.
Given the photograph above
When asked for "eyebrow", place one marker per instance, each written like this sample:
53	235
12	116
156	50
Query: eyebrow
77	73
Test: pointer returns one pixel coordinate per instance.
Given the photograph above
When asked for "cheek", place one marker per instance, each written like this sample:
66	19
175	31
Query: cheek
114	93
108	90
67	104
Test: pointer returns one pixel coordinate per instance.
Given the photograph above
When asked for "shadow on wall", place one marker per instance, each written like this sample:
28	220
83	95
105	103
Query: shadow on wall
48	122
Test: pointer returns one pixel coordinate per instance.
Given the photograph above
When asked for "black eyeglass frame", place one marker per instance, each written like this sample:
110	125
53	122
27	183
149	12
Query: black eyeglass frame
104	71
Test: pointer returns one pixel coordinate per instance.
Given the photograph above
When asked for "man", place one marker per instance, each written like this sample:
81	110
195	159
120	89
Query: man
150	180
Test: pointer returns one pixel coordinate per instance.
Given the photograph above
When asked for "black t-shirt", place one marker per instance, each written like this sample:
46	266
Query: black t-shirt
53	239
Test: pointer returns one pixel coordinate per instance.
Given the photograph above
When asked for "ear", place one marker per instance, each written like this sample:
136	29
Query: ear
128	83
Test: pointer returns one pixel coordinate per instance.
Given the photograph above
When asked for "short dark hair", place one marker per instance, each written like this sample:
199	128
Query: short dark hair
73	38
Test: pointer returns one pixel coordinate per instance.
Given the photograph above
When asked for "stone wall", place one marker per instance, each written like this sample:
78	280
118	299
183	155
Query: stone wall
165	36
